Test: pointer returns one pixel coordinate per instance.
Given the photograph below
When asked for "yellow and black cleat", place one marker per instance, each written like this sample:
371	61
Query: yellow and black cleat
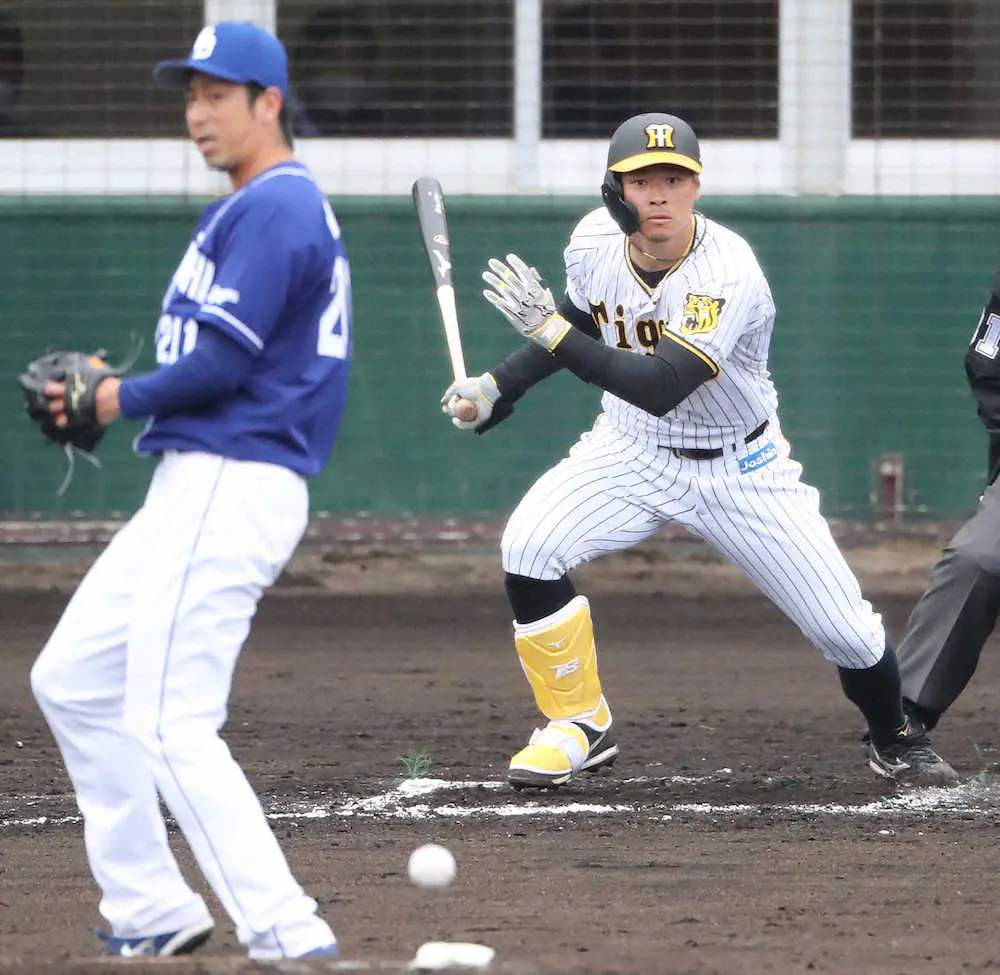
561	749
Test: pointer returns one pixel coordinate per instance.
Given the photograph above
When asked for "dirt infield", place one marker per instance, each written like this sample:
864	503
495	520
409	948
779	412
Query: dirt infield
740	831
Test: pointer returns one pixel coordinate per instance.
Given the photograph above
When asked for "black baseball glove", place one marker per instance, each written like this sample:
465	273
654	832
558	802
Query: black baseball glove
81	373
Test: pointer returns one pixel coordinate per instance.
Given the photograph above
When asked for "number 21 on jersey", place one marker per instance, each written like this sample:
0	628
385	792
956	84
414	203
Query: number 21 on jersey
334	340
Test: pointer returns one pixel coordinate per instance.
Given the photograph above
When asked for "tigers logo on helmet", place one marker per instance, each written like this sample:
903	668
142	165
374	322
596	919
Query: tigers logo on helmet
659	136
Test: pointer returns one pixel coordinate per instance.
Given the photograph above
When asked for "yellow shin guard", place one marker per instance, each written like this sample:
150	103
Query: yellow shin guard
559	658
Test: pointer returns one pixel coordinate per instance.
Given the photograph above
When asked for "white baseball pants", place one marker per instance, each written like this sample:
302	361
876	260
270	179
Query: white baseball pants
612	492
134	683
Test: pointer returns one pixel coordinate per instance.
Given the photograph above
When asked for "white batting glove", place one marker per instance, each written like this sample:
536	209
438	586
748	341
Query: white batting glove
482	390
521	296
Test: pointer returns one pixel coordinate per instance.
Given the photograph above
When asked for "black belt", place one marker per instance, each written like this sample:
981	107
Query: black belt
710	453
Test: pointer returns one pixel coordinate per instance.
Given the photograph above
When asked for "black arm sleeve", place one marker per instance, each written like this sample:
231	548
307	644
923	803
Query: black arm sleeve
581	320
522	369
655	383
531	363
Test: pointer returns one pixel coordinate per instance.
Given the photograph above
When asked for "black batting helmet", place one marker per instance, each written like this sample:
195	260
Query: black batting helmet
645	140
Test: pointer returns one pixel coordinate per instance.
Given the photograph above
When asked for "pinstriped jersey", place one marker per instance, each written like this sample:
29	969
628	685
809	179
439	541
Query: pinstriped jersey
716	303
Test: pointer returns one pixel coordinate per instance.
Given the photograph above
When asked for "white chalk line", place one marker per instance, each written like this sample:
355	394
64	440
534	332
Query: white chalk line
413	799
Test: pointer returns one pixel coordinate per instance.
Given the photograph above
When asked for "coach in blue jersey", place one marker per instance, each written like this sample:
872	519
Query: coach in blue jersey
253	345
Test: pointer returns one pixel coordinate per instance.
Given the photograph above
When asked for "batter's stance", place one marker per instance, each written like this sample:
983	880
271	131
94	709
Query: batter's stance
253	345
671	315
956	615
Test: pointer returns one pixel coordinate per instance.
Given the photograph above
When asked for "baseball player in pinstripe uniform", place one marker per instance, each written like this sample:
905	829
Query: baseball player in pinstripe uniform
956	615
253	351
670	314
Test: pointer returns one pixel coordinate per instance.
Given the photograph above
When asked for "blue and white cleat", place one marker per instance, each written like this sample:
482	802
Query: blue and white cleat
327	951
181	942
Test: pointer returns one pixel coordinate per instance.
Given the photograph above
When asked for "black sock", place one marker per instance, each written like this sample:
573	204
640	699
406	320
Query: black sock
877	693
925	716
534	599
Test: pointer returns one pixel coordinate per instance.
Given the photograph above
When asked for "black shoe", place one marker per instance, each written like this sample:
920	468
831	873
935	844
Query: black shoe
909	759
603	748
920	717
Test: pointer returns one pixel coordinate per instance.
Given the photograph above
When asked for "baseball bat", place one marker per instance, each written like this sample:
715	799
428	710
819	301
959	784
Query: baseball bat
428	199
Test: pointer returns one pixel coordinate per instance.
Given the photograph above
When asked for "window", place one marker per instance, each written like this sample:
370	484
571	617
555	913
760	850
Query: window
398	68
713	62
75	68
926	69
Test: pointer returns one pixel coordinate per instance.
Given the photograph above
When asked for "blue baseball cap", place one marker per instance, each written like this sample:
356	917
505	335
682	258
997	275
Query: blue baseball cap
236	51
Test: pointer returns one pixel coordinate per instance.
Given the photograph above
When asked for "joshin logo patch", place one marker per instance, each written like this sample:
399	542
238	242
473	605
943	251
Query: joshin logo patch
758	459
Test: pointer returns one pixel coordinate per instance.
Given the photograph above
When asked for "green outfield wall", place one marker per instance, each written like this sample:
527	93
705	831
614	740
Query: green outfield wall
876	301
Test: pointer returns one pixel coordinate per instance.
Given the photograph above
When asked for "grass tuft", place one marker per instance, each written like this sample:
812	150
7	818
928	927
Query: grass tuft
416	763
989	774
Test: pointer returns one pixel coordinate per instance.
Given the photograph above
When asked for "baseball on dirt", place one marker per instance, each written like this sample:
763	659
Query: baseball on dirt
465	409
431	865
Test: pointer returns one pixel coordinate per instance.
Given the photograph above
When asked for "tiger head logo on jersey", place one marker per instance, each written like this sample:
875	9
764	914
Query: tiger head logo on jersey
701	313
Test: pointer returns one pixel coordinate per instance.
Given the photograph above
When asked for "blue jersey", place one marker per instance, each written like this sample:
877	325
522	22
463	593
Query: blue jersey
267	267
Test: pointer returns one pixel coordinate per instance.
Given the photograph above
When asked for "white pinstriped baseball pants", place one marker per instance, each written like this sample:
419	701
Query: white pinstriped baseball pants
611	493
134	683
